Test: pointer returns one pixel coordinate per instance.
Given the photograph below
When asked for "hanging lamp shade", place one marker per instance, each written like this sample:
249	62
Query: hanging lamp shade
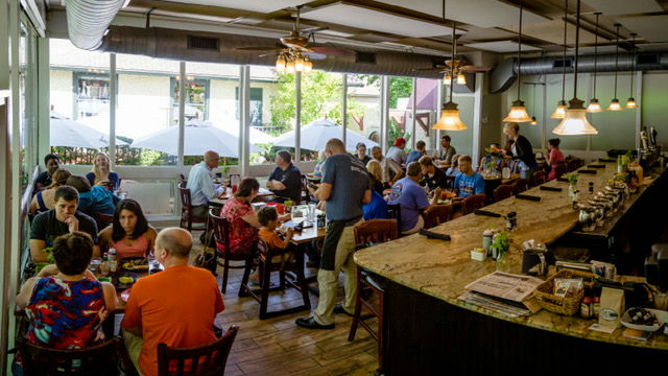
594	106
614	105
533	121
560	111
447	79
518	113
461	79
575	122
631	103
450	120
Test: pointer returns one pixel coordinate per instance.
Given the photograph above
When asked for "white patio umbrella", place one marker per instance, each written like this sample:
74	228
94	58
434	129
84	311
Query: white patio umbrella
67	132
200	136
256	136
315	135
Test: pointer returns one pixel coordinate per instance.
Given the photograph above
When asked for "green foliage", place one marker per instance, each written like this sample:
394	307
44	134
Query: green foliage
396	132
501	242
400	87
573	178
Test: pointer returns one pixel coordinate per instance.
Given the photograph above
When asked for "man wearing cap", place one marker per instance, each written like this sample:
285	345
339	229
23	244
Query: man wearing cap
396	152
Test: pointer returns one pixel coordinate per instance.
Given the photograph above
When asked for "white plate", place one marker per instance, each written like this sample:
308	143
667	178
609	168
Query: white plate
660	317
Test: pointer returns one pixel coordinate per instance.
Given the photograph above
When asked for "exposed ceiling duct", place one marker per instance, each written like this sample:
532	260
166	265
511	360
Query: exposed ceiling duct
88	20
505	74
221	48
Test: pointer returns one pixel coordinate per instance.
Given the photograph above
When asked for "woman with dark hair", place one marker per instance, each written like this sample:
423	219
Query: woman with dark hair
554	158
43	200
129	233
65	304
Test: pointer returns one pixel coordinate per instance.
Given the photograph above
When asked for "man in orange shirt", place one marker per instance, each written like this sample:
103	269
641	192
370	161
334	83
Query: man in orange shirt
176	306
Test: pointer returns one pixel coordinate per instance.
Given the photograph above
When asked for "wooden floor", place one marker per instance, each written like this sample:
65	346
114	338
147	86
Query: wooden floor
278	347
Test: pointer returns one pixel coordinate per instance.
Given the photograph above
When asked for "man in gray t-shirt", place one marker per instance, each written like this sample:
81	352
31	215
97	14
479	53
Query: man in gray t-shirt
345	188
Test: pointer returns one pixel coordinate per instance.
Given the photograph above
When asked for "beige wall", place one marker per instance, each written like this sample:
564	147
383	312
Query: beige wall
61	91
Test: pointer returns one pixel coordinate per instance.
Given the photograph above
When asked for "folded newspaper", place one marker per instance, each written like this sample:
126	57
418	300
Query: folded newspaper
509	294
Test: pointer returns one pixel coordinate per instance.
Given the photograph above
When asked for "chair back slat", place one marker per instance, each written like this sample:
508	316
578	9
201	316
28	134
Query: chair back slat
434	215
43	361
394	212
221	229
521	185
473	202
186	202
560	169
375	231
188	360
539	177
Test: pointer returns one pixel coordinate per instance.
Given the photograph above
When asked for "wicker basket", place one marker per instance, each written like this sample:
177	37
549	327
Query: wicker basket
561	305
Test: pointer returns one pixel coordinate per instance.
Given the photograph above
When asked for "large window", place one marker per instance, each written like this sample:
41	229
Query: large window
197	94
278	108
363	105
426	110
399	123
256	101
322	94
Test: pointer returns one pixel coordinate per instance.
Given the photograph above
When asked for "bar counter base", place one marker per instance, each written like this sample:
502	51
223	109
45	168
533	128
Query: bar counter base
427	336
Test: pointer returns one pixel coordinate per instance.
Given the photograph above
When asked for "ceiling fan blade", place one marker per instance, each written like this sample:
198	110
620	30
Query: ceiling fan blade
273	53
332	51
314	29
259	48
427	69
471	68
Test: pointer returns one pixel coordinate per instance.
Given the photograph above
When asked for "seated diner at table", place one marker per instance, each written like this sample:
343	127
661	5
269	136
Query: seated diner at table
285	181
63	219
446	152
391	170
129	234
43	200
102	174
92	200
412	199
396	152
377	208
44	180
317	170
468	182
65	304
454	166
419	152
360	153
554	157
432	177
376	175
200	183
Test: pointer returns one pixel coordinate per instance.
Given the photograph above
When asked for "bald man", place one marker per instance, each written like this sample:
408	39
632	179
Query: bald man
200	183
177	306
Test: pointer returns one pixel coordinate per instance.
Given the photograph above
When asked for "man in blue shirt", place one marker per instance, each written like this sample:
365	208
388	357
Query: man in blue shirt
412	199
419	152
200	183
468	182
286	179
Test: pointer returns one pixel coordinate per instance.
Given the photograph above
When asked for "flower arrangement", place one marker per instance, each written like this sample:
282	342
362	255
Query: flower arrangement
501	242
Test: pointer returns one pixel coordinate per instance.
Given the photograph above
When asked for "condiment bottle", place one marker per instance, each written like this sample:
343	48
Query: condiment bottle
596	305
111	257
511	221
591	187
104	266
586	307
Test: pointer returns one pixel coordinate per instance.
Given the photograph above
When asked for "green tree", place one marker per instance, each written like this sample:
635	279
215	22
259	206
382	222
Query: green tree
400	87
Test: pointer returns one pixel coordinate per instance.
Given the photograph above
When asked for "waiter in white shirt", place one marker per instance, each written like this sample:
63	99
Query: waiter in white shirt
200	183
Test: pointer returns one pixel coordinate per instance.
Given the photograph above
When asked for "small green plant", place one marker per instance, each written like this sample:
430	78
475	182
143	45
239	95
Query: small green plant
501	242
489	166
573	179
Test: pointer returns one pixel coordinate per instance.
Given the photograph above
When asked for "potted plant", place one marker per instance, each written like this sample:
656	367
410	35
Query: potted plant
500	246
623	162
572	182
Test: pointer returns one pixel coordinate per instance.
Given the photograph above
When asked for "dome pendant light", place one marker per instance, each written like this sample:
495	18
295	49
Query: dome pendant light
518	111
450	120
614	104
631	102
560	111
575	122
594	106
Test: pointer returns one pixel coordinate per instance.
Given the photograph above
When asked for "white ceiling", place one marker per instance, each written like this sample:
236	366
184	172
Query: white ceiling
261	6
482	13
366	18
501	46
618	7
652	28
553	32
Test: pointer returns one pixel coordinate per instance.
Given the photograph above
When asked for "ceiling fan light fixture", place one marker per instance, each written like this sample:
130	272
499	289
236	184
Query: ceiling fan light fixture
560	111
461	79
299	63
450	120
518	113
290	67
308	65
280	64
447	79
594	106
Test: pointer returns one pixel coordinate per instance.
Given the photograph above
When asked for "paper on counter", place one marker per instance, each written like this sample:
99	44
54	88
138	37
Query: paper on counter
508	286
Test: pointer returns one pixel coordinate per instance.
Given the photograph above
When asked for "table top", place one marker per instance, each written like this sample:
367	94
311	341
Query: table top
443	268
308	234
264	192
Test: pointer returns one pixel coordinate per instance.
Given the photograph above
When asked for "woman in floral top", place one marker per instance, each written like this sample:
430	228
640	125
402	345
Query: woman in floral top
243	223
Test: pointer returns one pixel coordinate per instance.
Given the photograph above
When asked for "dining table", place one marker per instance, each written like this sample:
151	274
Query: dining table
227	194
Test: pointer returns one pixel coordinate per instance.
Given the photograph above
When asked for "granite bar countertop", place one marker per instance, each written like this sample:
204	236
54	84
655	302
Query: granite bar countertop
443	268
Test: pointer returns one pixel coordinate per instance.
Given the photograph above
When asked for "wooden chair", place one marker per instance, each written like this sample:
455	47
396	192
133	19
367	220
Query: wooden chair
473	202
221	234
182	179
305	194
574	163
539	177
521	185
394	212
503	191
187	217
43	361
434	215
209	360
267	266
366	233
102	220
560	169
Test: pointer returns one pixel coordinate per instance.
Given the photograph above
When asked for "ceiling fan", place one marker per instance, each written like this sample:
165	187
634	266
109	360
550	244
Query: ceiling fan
454	69
296	50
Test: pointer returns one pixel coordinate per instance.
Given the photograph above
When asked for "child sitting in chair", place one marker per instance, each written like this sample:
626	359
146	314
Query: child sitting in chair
268	218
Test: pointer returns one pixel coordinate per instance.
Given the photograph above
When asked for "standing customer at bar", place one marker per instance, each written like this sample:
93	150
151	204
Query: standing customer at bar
468	182
396	152
345	187
200	183
412	199
286	180
176	307
521	149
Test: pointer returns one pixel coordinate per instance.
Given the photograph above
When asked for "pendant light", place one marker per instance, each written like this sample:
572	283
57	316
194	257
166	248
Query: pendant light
614	104
575	122
518	111
594	106
450	120
631	102
560	111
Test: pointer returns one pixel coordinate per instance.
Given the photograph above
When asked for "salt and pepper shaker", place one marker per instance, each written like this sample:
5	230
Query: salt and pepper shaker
511	221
